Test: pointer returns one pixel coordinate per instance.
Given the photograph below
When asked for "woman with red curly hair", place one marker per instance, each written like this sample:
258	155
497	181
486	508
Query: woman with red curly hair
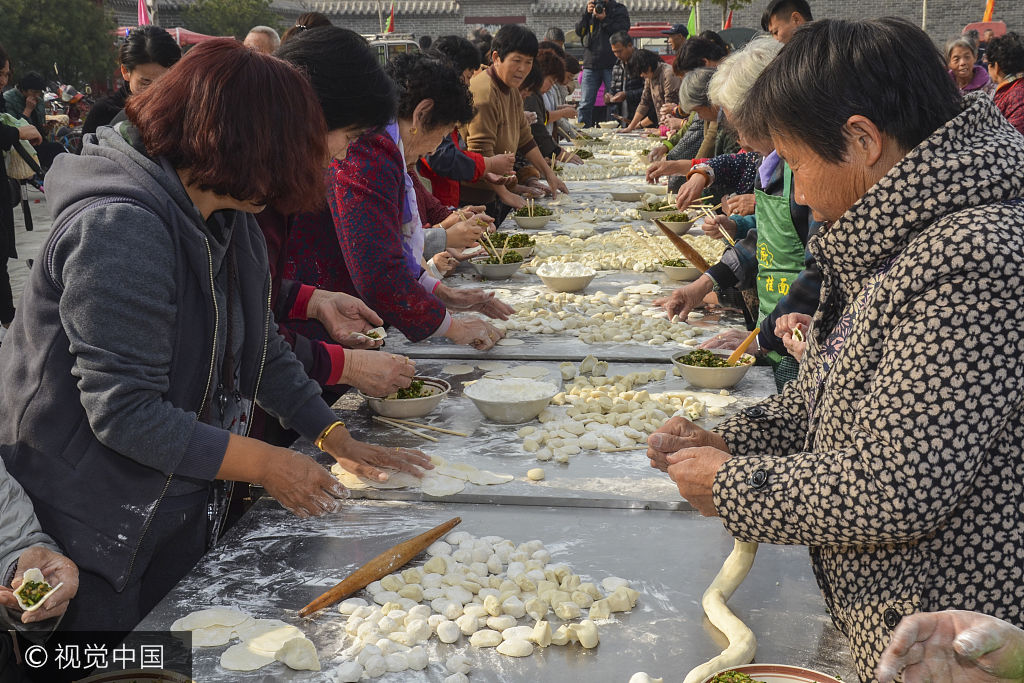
145	333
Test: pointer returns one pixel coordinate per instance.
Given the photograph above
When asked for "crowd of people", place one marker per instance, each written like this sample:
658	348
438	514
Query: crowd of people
877	217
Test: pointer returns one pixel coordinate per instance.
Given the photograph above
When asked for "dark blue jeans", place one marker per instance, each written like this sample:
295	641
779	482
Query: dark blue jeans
592	79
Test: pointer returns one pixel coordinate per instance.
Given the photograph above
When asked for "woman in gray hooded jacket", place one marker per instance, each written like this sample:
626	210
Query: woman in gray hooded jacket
145	334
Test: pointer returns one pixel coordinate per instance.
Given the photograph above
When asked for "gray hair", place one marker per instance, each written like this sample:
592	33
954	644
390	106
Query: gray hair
275	39
961	41
736	75
693	91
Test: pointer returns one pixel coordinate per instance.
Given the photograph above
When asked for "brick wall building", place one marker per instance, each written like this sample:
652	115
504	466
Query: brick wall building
946	18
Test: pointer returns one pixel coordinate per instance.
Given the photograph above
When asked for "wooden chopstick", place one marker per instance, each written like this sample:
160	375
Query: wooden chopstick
726	236
738	353
387	562
426	426
404	428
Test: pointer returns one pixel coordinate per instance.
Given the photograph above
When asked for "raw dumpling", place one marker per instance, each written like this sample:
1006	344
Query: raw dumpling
299	654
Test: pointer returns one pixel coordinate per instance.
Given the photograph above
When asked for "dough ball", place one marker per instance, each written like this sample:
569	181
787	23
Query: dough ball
435	548
535	474
457	678
567	611
348	672
644	677
351	605
485	638
375	666
524	632
501	623
516	647
448	631
586	633
467	624
417	658
299	654
613	582
541	633
458	664
396	662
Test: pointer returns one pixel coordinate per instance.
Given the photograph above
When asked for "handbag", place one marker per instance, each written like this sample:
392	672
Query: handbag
22	161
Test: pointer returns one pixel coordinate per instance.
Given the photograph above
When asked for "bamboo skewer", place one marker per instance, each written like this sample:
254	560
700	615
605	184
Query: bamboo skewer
405	429
426	426
379	567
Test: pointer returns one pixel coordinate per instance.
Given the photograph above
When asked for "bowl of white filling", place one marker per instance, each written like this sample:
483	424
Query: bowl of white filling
566	277
512	400
420	399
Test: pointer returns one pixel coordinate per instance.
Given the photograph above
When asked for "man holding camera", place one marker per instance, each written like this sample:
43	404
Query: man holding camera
600	20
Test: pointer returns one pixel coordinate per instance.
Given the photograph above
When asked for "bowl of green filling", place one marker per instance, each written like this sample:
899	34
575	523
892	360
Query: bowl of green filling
519	242
680	270
679	223
533	218
422	396
770	673
656	209
707	368
497	267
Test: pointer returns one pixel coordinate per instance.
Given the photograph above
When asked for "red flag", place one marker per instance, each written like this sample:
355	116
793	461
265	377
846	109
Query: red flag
990	7
728	21
143	13
390	28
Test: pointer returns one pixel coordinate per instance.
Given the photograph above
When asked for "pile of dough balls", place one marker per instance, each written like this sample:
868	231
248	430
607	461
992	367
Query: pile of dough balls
601	318
619	250
474	590
605	413
263	641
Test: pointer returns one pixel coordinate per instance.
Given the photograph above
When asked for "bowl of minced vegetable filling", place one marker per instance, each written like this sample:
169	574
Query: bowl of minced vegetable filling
519	242
707	368
770	673
497	266
680	270
679	223
532	217
422	396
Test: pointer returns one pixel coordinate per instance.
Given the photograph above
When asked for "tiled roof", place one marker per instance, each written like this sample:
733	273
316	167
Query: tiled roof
574	6
362	7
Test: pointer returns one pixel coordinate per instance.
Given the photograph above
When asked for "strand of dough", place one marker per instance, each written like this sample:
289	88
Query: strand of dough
742	643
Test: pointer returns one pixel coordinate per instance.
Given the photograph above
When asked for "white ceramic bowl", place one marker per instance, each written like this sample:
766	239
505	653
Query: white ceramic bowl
525	252
627	195
678	227
532	222
495	271
509	413
566	284
714	378
682	273
608	125
411	407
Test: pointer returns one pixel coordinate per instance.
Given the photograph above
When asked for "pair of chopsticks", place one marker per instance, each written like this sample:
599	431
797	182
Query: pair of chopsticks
401	424
709	214
494	251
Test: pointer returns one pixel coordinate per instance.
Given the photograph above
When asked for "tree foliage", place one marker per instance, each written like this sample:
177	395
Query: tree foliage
76	35
230	17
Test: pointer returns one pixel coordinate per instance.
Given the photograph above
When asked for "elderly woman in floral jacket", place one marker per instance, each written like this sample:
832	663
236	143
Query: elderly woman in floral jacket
896	456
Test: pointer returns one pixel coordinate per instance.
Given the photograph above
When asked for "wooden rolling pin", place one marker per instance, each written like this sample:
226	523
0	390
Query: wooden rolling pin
691	254
380	566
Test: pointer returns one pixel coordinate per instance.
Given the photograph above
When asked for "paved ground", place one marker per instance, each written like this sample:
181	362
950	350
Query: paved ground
29	243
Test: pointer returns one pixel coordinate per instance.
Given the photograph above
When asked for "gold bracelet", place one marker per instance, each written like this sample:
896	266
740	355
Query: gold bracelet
319	443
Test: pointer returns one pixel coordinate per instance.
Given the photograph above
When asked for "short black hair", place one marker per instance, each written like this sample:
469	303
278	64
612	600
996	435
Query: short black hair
887	70
345	74
31	81
715	38
621	38
1007	52
425	42
555	34
148	45
460	52
419	77
693	53
514	38
776	7
644	60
